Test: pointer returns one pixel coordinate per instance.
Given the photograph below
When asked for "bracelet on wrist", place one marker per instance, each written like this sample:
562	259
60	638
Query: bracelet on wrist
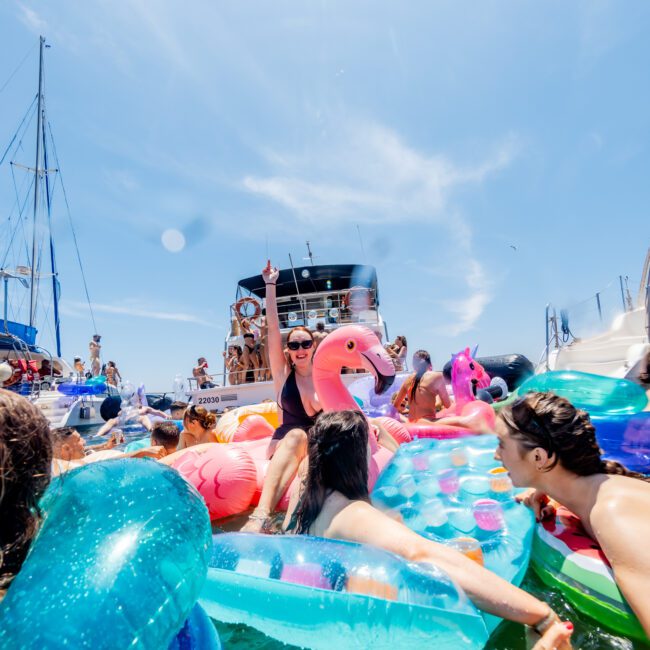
273	283
544	624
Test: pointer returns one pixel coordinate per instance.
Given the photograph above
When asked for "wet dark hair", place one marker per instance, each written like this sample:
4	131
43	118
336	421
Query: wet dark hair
165	433
248	335
566	433
177	406
25	470
320	326
338	461
205	418
421	363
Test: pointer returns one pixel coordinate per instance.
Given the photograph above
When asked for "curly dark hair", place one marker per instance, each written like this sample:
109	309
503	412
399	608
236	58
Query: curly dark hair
25	471
338	461
566	433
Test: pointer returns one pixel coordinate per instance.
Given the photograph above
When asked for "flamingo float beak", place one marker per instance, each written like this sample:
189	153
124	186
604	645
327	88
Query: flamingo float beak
376	360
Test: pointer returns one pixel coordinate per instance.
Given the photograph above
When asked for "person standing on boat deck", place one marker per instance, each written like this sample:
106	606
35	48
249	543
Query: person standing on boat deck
112	374
249	359
319	334
202	378
79	367
398	351
263	347
297	401
95	348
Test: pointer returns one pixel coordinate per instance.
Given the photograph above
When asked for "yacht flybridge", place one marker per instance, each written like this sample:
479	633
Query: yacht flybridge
334	295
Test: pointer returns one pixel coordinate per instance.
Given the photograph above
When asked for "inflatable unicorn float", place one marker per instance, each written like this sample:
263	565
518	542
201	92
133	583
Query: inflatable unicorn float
467	378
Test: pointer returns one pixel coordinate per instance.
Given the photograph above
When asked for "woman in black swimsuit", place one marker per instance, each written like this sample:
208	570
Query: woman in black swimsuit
297	400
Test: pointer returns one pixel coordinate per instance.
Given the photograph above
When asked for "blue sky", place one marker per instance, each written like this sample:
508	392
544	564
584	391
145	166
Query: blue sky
447	131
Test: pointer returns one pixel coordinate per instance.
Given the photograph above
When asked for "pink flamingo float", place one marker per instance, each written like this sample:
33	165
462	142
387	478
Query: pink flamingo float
467	376
229	476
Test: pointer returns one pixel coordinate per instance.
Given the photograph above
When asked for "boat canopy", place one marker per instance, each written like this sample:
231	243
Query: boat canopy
315	279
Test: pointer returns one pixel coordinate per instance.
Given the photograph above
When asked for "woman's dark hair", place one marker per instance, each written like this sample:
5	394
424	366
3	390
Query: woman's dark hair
421	363
25	470
566	433
338	461
402	339
205	418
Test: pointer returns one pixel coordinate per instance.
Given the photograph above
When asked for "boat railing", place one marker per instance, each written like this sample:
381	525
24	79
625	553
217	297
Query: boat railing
333	308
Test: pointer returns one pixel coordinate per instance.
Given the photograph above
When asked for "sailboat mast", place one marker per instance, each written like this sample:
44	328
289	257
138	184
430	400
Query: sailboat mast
32	297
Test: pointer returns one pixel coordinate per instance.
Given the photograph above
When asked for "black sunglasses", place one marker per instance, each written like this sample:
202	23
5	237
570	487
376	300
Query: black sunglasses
296	345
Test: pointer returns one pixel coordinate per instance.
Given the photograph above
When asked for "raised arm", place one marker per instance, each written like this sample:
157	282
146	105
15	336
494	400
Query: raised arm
276	353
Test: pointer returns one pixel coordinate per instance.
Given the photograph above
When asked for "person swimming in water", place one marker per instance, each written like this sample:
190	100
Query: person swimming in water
548	445
198	427
333	502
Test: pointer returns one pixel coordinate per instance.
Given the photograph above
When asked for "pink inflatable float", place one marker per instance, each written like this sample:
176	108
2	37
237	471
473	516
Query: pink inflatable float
229	476
467	376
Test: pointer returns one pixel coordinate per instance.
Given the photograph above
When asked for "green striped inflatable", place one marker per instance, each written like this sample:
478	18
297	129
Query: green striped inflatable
566	558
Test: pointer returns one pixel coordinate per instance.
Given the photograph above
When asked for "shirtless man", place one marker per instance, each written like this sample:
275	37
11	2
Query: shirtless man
79	367
95	347
249	359
202	378
425	389
69	450
319	334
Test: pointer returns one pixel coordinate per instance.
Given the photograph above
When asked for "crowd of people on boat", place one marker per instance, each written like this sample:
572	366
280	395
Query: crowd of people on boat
544	442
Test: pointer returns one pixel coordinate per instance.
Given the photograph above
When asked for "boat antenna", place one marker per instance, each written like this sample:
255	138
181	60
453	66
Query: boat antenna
294	274
39	122
310	255
363	250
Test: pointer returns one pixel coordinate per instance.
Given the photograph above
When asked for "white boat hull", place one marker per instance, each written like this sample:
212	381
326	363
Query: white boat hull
70	411
221	397
619	352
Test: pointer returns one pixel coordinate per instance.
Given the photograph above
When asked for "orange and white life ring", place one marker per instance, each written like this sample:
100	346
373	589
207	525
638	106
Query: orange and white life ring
356	299
248	301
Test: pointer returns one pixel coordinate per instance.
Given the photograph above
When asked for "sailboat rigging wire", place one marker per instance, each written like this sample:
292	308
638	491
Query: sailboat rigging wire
27	114
74	234
18	67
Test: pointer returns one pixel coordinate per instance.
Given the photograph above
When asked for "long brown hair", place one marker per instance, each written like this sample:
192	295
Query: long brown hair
566	433
421	363
338	461
25	471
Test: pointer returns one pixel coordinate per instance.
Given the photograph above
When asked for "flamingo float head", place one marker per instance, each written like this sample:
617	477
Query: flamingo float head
355	346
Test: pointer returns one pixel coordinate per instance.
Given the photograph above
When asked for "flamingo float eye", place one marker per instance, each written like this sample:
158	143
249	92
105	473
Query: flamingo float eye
350	345
471	366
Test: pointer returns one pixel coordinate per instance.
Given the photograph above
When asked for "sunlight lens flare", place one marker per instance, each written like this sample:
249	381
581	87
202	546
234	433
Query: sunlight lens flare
173	240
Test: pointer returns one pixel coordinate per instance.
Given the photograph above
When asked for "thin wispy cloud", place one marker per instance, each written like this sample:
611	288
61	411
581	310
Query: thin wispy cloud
80	309
31	19
371	174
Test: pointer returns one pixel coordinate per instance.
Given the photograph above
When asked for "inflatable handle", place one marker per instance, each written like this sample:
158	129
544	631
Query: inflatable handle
114	567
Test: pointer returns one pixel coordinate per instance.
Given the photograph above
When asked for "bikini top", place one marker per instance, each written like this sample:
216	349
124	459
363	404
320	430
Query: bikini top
293	411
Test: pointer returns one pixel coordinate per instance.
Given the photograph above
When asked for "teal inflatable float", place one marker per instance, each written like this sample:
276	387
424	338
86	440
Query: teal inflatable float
594	393
455	493
118	563
318	593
